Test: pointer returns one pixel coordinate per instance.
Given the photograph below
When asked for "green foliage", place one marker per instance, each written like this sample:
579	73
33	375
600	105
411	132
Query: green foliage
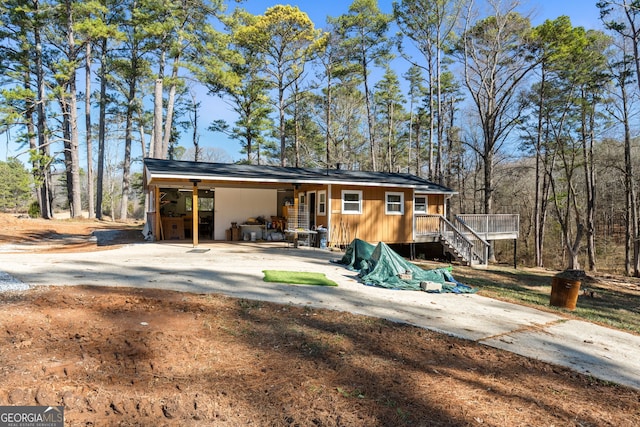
284	34
34	210
15	186
364	33
283	40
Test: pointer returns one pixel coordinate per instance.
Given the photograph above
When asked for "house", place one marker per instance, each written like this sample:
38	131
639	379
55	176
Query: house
220	201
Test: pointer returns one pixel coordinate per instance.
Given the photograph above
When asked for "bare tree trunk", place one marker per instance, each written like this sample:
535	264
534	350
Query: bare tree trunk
141	131
75	202
87	117
156	150
419	147
431	174
128	140
194	123
487	159
632	242
66	137
370	119
571	246
439	126
390	139
586	135
102	128
43	170
328	119
544	197
537	214
168	123
30	120
574	250
410	142
296	126
281	127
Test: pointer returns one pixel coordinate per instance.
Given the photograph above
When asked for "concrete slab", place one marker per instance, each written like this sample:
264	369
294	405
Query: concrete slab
582	346
235	269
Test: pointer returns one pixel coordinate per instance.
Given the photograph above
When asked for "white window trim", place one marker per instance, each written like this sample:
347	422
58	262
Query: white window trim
320	204
426	204
352	212
386	202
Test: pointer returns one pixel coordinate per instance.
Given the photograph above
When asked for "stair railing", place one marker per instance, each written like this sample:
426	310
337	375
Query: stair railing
456	239
462	238
480	246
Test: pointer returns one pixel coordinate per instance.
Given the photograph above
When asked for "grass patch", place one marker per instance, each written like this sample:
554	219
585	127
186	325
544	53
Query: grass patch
297	278
618	308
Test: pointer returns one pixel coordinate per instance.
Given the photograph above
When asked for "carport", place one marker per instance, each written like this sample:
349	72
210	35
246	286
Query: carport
185	203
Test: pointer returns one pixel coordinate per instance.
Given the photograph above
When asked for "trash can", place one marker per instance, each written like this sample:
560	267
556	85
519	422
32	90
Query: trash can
321	240
564	292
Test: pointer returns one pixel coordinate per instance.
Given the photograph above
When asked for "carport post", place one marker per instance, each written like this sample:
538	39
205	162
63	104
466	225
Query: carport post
194	209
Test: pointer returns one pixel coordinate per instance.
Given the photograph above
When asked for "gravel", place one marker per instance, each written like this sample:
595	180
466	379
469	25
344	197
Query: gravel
8	283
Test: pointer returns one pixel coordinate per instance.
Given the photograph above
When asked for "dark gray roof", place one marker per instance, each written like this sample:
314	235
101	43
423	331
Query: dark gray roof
157	168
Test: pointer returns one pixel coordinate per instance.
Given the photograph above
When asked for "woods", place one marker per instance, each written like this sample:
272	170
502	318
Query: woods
517	118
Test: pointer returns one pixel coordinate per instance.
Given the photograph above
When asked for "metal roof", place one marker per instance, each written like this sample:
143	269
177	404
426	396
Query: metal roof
231	172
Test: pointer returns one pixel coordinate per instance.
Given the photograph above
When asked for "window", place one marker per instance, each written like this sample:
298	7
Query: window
420	204
394	203
351	202
322	202
204	204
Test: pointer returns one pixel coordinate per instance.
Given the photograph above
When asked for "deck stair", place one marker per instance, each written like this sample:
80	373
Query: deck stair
462	241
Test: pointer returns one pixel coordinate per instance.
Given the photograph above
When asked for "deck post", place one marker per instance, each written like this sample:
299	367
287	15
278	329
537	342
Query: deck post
194	210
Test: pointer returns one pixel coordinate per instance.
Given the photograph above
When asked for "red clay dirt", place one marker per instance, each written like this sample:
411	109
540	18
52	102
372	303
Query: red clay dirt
132	357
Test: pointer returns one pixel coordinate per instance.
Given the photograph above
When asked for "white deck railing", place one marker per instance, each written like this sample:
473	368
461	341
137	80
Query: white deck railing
427	225
491	227
472	247
479	248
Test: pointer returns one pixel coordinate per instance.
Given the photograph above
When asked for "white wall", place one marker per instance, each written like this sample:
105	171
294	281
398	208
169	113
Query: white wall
238	204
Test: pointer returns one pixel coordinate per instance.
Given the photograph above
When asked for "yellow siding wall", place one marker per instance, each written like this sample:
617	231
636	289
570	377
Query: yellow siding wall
435	203
372	225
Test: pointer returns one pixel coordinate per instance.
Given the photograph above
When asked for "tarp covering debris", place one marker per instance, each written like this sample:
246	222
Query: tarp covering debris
381	266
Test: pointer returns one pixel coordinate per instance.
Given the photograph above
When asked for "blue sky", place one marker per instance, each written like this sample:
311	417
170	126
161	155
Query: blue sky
582	13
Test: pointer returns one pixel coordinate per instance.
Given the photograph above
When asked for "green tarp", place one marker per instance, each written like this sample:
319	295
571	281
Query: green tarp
381	266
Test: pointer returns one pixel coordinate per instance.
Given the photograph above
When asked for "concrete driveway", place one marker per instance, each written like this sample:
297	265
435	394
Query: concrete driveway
235	269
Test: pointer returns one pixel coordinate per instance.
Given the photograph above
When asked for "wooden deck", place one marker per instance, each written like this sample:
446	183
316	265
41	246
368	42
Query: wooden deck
488	227
493	227
467	236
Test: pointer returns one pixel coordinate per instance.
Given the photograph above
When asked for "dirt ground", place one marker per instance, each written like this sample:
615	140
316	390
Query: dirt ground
132	357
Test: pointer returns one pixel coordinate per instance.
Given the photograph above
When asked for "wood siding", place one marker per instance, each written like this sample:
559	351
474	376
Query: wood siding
373	224
435	204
